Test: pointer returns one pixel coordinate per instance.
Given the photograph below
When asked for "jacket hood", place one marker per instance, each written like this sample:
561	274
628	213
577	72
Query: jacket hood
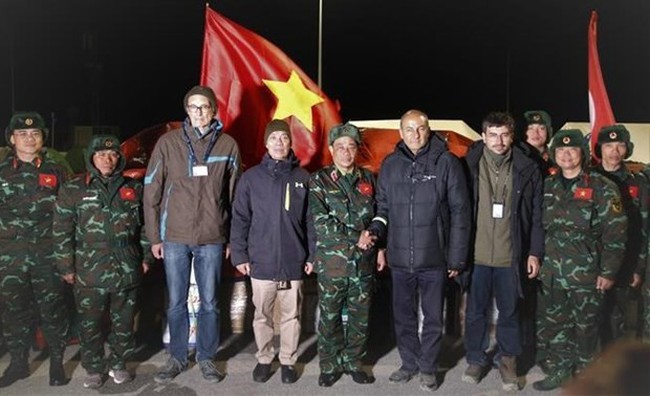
103	142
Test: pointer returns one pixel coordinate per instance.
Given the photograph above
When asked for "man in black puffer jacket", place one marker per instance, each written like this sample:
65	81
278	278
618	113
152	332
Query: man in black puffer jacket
423	206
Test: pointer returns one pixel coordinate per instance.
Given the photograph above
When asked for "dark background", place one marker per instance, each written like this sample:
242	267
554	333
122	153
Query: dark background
128	63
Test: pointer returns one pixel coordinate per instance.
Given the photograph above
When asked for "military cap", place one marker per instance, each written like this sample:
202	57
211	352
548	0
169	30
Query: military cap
540	117
346	129
25	120
203	91
614	133
276	126
104	142
570	138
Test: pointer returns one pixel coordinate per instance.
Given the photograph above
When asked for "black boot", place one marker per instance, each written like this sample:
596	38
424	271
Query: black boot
17	370
57	373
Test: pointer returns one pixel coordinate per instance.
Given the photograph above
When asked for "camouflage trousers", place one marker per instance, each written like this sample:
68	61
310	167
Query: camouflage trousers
567	327
92	305
338	349
646	310
27	288
622	315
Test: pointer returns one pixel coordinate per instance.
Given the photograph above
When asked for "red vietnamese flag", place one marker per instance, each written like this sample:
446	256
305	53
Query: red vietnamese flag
255	82
600	111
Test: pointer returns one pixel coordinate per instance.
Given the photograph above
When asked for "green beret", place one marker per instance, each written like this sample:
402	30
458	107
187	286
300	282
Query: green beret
25	120
614	133
570	138
346	129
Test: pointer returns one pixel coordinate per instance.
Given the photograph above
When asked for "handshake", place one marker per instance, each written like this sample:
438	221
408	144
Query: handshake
366	240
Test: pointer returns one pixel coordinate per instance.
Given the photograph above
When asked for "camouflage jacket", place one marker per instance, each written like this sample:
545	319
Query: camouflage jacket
98	232
27	195
342	207
635	193
585	227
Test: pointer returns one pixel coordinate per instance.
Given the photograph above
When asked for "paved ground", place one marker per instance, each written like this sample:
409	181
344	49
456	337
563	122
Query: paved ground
237	359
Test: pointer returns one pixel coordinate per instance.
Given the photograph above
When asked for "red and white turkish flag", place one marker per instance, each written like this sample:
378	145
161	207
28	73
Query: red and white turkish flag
600	111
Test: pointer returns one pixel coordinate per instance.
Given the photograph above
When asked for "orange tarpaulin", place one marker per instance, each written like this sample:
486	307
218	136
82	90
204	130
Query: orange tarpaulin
377	144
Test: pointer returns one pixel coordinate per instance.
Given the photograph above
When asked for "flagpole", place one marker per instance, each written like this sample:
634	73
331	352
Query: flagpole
320	44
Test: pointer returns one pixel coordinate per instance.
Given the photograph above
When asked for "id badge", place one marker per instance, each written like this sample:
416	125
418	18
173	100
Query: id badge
283	285
497	210
199	170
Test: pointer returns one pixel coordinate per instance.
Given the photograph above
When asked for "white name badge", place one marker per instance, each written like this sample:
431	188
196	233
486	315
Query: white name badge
199	170
497	211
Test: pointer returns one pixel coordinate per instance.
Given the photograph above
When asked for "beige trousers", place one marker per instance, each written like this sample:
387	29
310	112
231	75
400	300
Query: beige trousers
265	296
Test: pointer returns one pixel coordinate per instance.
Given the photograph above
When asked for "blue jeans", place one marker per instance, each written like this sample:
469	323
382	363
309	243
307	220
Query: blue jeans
207	270
500	283
418	353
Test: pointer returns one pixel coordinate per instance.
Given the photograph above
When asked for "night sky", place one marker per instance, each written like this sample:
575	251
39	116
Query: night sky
128	63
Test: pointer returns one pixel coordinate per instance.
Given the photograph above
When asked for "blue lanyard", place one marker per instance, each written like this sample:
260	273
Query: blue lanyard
215	128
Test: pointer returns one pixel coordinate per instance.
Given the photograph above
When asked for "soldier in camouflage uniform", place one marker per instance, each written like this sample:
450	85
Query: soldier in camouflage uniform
612	148
585	239
341	198
645	289
29	183
101	249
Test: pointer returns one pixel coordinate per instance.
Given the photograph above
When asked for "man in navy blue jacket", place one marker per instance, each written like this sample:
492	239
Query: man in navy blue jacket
272	240
423	207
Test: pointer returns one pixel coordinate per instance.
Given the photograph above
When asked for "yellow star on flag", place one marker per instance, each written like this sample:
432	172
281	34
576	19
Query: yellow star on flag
294	99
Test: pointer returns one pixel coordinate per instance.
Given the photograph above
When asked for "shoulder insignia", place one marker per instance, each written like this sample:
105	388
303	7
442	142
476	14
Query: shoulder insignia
334	175
583	193
617	206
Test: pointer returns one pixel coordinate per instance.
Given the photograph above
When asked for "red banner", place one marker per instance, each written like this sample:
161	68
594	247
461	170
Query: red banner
256	82
600	111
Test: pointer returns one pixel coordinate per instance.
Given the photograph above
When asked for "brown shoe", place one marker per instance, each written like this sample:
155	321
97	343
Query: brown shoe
508	371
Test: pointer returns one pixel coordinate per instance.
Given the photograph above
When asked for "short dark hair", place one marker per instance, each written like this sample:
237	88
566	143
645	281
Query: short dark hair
498	119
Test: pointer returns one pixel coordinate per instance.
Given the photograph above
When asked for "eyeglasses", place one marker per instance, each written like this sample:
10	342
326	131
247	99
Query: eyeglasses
195	109
23	134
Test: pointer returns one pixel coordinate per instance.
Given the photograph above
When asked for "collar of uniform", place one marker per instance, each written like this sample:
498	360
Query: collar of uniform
36	162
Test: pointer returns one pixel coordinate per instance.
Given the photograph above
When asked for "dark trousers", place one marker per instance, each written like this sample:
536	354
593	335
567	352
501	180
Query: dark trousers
486	283
418	354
